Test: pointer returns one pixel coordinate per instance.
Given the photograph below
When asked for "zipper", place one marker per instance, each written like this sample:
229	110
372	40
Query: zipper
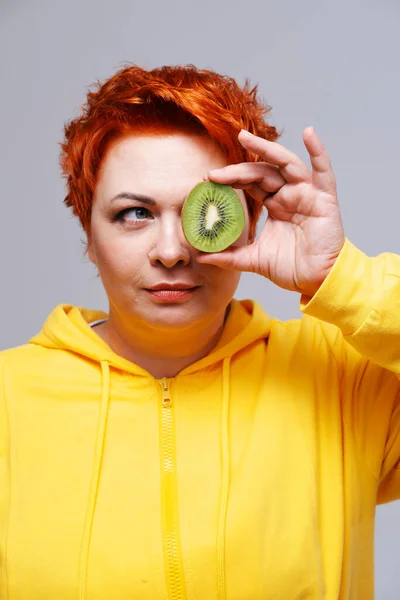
169	500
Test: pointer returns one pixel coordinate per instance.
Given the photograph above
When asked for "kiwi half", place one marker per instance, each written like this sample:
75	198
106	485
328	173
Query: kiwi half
212	217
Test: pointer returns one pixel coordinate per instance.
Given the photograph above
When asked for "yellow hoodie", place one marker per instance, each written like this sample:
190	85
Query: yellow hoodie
254	474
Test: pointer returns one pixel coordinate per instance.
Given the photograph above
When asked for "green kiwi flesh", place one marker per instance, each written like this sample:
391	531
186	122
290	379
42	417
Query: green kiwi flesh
212	217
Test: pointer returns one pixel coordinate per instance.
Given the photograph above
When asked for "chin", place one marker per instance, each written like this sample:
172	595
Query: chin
174	317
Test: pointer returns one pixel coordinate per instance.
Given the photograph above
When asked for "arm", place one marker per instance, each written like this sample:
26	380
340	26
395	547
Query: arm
361	296
4	455
302	247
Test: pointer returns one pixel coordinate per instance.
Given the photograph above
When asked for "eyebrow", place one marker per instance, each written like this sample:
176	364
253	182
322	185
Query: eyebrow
137	197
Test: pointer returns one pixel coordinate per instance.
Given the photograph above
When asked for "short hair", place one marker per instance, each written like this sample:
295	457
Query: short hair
166	98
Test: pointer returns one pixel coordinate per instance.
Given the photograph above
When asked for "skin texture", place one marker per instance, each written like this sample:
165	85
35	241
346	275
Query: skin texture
297	248
148	247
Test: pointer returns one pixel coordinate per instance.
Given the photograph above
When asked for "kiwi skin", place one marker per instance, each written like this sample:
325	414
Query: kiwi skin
222	232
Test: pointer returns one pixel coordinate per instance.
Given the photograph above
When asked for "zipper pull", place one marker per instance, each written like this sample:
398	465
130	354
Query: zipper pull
166	396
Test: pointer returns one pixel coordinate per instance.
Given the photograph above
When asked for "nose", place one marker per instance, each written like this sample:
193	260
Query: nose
170	247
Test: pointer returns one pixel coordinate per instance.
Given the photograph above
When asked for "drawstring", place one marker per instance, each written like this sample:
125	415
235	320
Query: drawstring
97	461
221	533
94	483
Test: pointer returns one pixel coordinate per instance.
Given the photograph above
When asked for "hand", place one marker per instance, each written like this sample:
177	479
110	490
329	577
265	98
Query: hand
303	233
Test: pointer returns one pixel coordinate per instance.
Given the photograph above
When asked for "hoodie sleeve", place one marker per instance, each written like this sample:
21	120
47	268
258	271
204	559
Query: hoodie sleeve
3	411
361	296
4	452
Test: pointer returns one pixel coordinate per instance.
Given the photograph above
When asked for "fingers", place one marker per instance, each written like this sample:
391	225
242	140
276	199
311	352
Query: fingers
291	166
322	173
280	166
259	179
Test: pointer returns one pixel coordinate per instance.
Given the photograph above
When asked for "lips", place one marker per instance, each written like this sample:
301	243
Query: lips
171	292
171	287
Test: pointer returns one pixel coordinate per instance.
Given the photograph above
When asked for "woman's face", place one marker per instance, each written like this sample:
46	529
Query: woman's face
136	237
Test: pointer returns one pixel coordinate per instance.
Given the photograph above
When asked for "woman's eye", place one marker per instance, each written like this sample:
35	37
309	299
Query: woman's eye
136	213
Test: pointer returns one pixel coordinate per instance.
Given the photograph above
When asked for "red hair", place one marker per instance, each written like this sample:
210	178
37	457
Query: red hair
165	98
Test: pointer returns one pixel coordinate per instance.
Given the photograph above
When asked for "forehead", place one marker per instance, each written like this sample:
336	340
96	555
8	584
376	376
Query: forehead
152	160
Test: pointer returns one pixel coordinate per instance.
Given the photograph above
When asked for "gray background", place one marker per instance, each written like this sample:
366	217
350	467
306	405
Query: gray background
334	65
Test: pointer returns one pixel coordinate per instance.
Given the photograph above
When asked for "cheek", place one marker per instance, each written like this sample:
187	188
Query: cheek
120	259
222	283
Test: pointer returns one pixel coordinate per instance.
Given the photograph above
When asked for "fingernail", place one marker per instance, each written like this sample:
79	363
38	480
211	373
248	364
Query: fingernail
245	132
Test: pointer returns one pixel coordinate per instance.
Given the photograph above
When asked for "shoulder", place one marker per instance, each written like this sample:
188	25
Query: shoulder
31	360
306	342
306	330
17	364
18	355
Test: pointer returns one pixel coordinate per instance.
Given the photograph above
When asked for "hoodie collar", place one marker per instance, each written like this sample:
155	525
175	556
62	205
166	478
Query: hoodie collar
67	328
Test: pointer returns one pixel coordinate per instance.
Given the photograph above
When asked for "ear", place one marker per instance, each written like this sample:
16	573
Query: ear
90	250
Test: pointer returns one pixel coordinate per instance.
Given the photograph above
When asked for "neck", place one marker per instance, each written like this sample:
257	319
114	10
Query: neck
163	353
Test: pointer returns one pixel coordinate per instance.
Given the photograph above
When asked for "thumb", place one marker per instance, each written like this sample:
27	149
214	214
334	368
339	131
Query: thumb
236	259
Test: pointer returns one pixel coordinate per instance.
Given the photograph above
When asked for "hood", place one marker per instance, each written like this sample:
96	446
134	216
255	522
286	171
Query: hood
67	328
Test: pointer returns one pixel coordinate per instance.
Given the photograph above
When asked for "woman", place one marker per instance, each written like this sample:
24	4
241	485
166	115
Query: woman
186	445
